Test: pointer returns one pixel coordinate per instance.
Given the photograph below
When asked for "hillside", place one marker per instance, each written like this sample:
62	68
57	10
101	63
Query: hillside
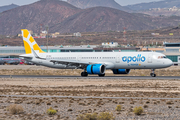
62	17
45	12
161	12
7	7
160	4
96	38
83	4
100	19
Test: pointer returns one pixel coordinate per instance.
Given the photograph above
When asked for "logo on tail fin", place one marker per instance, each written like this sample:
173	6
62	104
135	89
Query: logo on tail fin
29	42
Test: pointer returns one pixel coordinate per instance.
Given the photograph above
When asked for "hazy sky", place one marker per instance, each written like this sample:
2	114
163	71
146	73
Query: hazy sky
23	2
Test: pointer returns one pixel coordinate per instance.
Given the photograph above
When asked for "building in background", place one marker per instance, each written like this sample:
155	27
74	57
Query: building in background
18	50
110	44
78	34
171	50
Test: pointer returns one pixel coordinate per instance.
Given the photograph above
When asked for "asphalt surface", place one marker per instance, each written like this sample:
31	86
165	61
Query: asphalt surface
94	77
87	97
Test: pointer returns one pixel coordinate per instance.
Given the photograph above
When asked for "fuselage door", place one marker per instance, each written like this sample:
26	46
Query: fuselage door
79	58
150	58
118	59
40	60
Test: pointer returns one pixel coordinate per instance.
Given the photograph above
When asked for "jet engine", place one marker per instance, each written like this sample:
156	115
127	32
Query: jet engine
121	71
96	69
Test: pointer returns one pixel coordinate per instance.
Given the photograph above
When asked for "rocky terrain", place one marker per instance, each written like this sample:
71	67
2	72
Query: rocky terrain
62	17
45	12
141	38
72	97
40	94
83	4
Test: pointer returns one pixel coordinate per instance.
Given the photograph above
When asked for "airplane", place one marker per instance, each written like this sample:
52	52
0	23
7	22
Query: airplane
94	62
8	60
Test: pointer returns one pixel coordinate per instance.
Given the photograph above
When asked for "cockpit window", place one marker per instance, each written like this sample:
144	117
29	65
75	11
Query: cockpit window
161	57
164	57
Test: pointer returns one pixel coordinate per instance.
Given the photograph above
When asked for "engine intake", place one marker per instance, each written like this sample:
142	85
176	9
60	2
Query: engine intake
121	71
96	69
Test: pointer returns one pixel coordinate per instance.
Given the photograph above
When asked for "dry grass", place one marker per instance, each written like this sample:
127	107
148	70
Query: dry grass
118	108
15	109
138	110
90	87
51	111
95	116
40	70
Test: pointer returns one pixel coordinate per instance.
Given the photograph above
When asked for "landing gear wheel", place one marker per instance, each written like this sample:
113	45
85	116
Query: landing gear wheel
153	75
101	75
84	74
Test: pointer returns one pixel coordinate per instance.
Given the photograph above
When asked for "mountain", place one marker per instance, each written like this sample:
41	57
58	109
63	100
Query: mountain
100	19
63	17
44	12
161	12
8	7
160	4
83	4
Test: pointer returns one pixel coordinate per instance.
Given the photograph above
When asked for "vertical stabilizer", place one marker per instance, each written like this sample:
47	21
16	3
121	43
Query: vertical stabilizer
29	42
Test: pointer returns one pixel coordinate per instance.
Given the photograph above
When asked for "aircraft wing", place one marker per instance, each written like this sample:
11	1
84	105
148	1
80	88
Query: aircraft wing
79	64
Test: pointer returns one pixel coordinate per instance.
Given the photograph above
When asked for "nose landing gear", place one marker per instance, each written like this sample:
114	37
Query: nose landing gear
152	73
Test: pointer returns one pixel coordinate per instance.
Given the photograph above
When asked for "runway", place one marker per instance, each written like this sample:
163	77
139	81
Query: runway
94	77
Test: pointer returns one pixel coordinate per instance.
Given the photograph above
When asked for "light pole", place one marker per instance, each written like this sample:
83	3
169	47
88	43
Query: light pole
47	29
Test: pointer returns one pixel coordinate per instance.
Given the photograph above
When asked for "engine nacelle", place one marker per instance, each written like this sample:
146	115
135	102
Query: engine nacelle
96	69
121	71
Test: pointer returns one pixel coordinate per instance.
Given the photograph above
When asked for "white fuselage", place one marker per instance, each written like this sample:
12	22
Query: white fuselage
112	60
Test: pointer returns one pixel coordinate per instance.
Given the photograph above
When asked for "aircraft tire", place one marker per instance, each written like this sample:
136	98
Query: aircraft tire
101	75
153	75
84	74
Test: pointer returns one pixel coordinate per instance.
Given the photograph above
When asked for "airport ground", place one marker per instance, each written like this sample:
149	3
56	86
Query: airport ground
160	99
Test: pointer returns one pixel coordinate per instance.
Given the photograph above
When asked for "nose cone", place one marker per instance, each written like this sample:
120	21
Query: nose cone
169	63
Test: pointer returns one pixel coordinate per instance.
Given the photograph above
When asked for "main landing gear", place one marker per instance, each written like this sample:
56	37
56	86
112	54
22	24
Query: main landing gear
84	74
101	75
152	73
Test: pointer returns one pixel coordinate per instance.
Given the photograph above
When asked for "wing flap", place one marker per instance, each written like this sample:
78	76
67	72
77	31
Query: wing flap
78	64
71	63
